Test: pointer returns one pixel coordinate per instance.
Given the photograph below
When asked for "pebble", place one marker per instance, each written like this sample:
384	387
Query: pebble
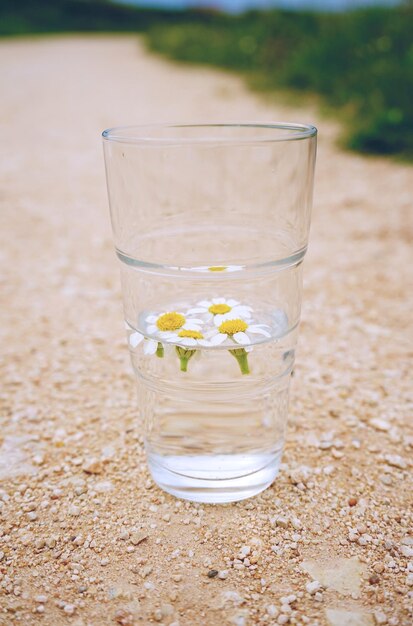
282	522
124	535
283	619
74	510
245	551
406	551
212	573
146	571
92	466
395	461
379	424
380	617
32	516
374	579
223	574
137	538
352	501
105	562
312	587
69	609
41	599
386	479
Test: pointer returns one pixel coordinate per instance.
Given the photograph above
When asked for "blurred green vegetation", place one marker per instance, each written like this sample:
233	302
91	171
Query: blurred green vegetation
360	62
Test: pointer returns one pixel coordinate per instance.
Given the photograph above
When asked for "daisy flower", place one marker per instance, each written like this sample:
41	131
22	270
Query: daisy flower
220	309
215	268
167	324
238	330
187	337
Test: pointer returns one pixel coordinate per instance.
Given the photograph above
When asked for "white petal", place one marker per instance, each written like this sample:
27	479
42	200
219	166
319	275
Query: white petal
204	342
150	346
152	329
232	302
135	339
258	331
188	341
218	300
216	340
242	310
171	337
241	338
151	319
210	333
205	303
234	268
166	334
218	319
193	320
191	326
196	309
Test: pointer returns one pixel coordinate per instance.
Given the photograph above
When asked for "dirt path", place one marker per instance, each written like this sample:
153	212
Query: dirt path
339	513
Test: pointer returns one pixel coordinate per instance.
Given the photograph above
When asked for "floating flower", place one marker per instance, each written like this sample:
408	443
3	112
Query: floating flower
238	330
167	324
220	309
187	337
215	268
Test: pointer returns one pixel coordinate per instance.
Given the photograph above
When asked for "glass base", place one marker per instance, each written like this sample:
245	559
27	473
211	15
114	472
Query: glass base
214	479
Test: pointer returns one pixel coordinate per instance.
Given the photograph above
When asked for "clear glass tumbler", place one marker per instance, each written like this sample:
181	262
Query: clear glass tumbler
211	226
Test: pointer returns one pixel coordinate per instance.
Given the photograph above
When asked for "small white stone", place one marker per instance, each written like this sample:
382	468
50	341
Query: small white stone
312	587
283	619
282	522
74	510
245	551
271	610
409	580
395	461
40	599
296	523
380	617
406	551
379	424
69	609
105	562
223	574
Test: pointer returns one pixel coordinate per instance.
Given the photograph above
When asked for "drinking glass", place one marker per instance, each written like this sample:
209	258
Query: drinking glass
211	226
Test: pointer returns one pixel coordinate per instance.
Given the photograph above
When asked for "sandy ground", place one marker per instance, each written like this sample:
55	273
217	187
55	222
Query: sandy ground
94	542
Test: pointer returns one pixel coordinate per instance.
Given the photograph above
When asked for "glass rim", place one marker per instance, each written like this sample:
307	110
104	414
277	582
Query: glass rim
140	134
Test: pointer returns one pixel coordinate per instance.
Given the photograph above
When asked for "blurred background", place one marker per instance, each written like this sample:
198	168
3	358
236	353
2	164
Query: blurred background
353	58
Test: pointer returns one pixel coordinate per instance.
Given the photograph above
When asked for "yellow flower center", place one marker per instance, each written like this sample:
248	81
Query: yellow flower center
217	268
170	321
220	309
230	327
192	334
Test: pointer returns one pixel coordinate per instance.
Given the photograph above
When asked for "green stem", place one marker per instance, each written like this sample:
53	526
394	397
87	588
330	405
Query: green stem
184	356
242	357
159	350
